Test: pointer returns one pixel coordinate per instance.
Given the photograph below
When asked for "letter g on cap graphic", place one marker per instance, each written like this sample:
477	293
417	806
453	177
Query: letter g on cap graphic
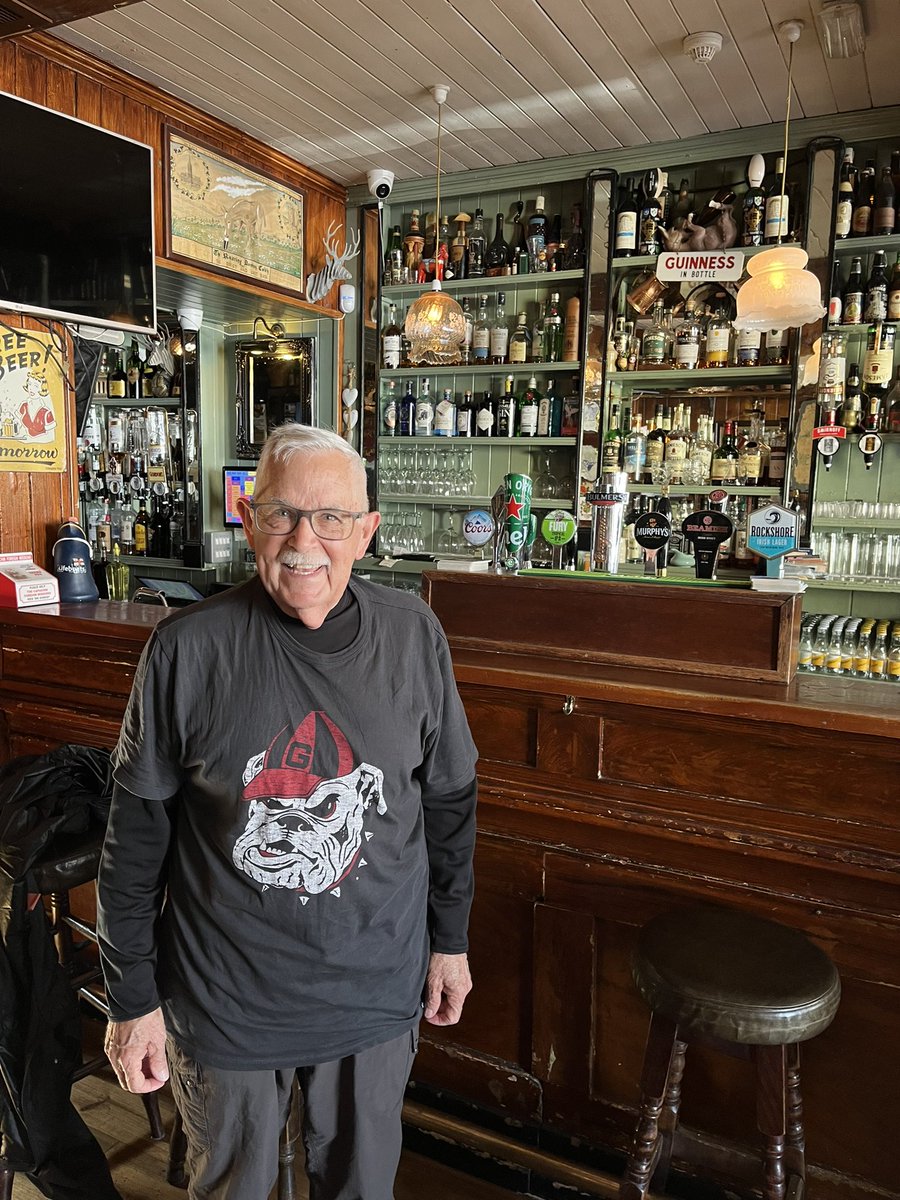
296	763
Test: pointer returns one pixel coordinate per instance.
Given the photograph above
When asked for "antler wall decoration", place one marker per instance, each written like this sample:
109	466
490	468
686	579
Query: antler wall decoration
319	283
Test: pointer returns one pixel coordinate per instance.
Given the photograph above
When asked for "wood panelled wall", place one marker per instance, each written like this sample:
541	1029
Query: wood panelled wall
49	72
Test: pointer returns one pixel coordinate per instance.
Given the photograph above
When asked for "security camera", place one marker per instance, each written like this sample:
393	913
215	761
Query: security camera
381	183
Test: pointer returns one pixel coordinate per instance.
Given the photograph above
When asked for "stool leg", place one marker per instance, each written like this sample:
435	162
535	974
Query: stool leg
668	1119
795	1151
658	1056
287	1147
771	1115
6	1183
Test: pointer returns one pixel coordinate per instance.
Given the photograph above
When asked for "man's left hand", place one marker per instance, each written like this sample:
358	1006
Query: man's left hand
446	986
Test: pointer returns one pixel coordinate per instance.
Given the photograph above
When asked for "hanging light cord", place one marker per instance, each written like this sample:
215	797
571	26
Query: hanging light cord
787	126
437	215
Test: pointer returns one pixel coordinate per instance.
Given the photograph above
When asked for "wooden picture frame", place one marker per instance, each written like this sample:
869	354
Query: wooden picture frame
230	218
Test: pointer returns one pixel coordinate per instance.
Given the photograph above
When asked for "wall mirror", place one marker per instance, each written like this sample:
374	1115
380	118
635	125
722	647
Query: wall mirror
276	382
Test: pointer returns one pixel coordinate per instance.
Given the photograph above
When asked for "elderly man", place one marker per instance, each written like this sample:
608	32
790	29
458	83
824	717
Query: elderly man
287	874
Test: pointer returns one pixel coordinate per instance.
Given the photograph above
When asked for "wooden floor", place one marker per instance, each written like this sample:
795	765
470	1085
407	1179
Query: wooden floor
139	1166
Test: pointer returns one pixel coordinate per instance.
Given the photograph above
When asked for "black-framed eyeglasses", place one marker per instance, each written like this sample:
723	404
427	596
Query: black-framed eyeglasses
330	524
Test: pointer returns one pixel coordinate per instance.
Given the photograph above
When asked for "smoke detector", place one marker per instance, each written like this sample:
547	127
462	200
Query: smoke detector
702	47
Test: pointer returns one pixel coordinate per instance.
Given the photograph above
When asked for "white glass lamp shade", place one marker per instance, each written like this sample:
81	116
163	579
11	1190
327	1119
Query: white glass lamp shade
841	27
780	293
435	326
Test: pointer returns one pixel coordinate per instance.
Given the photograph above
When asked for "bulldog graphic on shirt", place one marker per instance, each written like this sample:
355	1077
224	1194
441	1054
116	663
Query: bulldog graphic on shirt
306	808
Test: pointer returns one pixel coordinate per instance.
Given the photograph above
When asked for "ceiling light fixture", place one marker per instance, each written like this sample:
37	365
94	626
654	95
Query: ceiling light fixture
435	325
702	47
780	293
841	27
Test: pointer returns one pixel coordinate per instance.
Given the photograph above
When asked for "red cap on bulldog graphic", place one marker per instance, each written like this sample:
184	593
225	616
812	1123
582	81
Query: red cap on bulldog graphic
296	763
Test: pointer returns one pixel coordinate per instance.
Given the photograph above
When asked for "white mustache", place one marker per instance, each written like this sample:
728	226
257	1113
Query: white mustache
305	562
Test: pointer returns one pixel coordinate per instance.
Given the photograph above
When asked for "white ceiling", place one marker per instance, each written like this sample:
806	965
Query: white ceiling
344	85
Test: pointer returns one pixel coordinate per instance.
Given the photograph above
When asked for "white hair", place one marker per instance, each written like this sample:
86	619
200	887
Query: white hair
290	440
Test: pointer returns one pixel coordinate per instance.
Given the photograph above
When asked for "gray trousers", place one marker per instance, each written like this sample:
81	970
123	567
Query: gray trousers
351	1123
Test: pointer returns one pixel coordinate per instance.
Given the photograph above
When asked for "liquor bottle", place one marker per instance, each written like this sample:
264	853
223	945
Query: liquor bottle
518	247
406	421
704	447
529	410
776	223
877	373
496	259
552	242
475	251
884	216
777	350
424	419
126	527
718	339
499	334
895	170
656	446
393	258
458	246
520	341
571	329
712	210
506	411
892	400
655	343
753	205
725	459
851	409
465	416
844	211
147	373
536	236
626	237
575	250
485	416
413	245
117	576
142	529
442	251
133	372
854	294
876	297
836	299
405	344
748	347
160	537
863	201
894	293
428	260
678	445
753	454
389	410
481	333
683	205
613	439
445	415
390	341
552	331
571	409
687	341
651	215
634	451
550	408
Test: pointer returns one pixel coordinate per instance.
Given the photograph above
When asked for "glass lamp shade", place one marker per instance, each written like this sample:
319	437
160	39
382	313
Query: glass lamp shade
841	27
780	293
436	327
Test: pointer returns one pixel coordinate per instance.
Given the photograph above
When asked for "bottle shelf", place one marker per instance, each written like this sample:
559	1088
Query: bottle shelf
135	401
853	585
696	489
494	283
856	523
535	368
847	247
463	502
649	260
387	440
714	379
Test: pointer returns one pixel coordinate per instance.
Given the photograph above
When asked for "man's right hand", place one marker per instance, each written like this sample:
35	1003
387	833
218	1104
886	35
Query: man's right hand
137	1051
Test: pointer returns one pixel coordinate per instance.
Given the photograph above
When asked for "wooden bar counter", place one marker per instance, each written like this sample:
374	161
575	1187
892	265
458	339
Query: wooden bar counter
610	791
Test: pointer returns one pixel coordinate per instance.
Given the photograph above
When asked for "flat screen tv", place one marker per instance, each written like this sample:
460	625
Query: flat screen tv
76	220
237	482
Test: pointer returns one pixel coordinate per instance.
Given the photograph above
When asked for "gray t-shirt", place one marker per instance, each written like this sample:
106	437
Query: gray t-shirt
294	929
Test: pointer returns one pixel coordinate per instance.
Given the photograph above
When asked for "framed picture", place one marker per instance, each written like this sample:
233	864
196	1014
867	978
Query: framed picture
230	218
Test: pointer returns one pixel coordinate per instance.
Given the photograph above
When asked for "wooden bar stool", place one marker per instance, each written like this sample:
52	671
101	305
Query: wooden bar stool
750	987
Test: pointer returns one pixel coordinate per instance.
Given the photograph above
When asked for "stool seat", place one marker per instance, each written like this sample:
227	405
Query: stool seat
734	976
73	860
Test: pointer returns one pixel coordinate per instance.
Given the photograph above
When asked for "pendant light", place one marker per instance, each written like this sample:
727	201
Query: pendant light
435	324
780	293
